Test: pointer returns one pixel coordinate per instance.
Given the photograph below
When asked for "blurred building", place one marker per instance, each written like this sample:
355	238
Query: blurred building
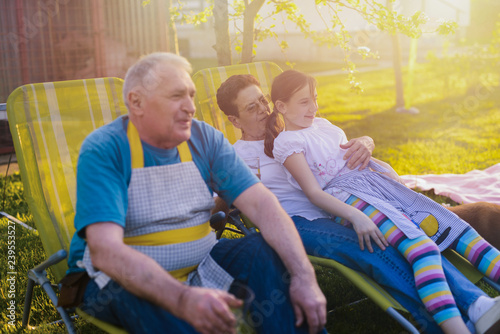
52	40
49	40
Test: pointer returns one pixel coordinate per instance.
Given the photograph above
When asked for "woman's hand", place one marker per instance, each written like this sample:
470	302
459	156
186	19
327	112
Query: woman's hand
359	152
366	230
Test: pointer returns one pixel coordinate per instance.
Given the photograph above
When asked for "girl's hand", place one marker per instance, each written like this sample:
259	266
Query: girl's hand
365	229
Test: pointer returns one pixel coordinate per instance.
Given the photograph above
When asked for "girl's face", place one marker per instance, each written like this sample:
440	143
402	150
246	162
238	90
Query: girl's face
300	110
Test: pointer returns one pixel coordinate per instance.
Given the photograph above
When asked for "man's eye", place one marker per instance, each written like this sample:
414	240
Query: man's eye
251	108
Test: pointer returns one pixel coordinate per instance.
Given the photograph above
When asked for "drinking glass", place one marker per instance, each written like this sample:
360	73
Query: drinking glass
244	293
254	165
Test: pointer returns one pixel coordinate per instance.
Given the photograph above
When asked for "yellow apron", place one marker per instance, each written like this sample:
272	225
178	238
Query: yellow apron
167	218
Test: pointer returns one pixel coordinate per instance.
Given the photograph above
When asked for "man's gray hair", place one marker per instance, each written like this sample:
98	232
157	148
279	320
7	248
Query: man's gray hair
144	72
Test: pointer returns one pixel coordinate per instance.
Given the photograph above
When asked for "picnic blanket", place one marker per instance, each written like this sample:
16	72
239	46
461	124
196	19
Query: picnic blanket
474	186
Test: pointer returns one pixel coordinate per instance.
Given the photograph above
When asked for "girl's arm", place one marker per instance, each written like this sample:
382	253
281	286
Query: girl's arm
392	173
364	227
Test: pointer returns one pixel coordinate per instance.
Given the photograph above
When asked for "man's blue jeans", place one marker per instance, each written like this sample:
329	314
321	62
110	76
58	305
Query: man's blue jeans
249	260
325	238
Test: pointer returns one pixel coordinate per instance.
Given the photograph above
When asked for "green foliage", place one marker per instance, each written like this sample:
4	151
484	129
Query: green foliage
376	13
474	67
11	195
484	15
28	253
182	16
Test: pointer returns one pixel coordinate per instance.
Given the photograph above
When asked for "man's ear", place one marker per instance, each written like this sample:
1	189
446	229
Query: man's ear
135	100
280	106
235	120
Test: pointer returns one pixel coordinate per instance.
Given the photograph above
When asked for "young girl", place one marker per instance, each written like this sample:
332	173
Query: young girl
377	205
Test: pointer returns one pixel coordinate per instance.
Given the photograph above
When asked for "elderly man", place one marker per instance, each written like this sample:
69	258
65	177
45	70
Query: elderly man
144	189
242	100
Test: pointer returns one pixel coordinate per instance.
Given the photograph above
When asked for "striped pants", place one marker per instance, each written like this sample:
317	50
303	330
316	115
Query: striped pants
479	252
425	259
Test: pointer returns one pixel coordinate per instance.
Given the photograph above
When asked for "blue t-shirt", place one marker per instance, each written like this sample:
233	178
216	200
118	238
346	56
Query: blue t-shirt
104	171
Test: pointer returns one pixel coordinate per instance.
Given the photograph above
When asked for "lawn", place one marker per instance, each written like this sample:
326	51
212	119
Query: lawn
455	132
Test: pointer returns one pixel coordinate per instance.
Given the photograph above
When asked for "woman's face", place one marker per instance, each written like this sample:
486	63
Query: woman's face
253	110
300	110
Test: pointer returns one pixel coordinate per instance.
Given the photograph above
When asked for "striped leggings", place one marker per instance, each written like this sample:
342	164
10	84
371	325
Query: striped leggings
425	258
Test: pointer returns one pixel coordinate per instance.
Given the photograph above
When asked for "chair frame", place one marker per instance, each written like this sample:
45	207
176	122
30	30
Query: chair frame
97	89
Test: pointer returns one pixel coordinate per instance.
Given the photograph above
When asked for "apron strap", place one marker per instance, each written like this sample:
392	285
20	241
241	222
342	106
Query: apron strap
137	154
184	152
168	237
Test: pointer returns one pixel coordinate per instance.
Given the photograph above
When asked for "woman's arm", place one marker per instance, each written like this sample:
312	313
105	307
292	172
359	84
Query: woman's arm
359	152
392	173
364	227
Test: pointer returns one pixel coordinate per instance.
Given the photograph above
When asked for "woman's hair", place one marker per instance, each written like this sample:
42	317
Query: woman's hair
284	87
229	90
144	73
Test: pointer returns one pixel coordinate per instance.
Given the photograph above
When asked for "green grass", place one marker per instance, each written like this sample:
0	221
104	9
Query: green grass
455	132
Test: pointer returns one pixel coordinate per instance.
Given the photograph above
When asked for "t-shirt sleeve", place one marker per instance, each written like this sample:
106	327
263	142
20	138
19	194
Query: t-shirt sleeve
286	144
101	183
229	175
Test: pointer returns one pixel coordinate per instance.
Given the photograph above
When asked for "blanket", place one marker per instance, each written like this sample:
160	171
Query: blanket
471	187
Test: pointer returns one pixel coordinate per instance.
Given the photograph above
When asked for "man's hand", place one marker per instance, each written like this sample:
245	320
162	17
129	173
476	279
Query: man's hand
208	310
307	299
263	209
359	152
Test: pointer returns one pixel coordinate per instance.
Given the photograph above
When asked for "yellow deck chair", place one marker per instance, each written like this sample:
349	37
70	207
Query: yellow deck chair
207	82
48	122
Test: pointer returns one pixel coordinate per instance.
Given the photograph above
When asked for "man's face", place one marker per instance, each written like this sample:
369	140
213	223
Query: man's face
253	109
168	107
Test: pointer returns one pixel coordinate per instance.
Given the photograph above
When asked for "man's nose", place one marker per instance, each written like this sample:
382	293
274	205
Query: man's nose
188	106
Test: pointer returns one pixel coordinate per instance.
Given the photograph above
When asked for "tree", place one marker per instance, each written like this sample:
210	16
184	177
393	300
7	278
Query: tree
398	68
173	43
221	26
249	14
250	25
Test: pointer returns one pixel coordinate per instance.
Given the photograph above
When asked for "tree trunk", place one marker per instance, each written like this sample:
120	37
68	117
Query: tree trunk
251	11
398	72
221	26
173	43
396	63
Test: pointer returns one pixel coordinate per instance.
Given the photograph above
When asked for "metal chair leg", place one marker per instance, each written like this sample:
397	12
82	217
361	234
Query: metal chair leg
27	302
38	275
64	315
494	285
402	320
